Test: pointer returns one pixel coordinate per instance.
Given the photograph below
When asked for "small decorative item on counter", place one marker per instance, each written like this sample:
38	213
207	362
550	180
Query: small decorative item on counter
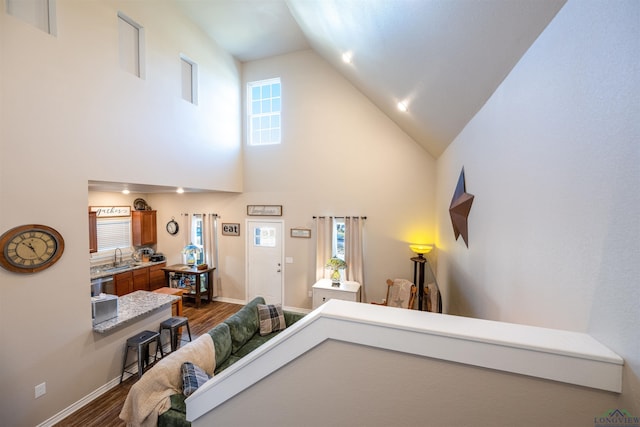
202	266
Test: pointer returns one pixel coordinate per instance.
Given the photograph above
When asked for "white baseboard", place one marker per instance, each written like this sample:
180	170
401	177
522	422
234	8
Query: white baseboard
230	300
114	382
85	400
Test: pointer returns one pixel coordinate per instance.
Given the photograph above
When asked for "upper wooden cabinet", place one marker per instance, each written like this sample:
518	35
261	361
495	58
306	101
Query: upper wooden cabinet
93	232
143	227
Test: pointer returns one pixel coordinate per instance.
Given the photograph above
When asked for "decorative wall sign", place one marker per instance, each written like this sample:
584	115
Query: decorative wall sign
264	210
230	229
301	232
459	209
111	211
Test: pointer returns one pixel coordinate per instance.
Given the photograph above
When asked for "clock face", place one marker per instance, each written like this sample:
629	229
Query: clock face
30	248
172	227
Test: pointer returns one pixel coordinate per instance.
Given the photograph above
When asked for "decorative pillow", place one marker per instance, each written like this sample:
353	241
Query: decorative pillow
271	318
192	377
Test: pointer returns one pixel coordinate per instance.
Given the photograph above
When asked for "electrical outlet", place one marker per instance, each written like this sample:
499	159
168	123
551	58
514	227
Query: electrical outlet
41	389
288	260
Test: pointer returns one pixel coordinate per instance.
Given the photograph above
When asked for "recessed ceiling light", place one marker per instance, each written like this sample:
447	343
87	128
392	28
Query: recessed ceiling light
125	191
347	57
402	106
180	190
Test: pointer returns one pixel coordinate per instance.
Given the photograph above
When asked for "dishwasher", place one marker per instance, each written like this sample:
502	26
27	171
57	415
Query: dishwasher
103	285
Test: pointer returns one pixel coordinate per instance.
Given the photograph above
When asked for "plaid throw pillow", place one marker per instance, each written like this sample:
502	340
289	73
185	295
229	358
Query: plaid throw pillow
271	318
192	378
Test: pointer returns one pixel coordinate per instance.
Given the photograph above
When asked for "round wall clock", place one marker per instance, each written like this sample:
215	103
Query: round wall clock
172	227
30	248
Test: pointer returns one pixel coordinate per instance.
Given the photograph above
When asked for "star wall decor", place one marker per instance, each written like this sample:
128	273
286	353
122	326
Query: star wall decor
459	210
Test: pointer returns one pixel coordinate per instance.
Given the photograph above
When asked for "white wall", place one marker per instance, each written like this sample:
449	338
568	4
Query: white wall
552	159
340	155
70	114
326	122
356	385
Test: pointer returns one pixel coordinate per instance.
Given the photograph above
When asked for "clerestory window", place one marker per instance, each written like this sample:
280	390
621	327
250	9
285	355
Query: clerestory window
264	104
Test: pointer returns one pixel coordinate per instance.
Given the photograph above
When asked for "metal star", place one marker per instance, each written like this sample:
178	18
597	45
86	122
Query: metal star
459	210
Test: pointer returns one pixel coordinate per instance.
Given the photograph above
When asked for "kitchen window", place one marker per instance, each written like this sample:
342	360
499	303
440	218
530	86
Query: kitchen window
113	233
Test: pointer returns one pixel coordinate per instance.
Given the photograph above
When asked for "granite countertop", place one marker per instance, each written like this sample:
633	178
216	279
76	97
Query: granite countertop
133	306
100	272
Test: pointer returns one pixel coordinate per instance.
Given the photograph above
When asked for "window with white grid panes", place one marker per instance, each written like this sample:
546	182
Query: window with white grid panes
264	106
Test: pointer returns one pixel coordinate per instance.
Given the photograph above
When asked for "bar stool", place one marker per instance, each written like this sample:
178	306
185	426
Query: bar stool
172	324
140	343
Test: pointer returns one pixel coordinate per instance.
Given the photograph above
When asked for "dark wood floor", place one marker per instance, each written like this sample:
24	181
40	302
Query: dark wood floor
104	411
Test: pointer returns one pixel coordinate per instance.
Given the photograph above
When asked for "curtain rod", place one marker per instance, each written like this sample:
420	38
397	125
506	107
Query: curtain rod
213	214
331	216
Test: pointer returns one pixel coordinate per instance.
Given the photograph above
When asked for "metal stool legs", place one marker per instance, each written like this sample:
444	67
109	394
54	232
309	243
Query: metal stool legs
173	324
141	342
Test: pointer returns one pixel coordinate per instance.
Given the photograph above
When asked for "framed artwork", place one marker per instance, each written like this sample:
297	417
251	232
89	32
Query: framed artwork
264	210
230	229
301	232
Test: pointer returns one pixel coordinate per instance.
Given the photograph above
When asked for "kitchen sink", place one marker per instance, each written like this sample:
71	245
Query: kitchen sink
111	269
116	269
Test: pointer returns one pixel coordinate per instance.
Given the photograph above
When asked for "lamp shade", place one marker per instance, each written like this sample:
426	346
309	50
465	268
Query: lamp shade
421	249
192	253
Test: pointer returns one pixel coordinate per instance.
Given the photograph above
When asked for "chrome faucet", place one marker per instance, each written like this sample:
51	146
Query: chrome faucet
115	257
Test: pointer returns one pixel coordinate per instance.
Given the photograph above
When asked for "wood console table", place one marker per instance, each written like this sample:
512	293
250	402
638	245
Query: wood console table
196	291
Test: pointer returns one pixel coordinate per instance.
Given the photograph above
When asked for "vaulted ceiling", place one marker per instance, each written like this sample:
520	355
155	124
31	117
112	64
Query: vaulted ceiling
442	58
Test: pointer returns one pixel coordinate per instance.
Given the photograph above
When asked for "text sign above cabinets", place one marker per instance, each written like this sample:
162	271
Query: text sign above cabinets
111	211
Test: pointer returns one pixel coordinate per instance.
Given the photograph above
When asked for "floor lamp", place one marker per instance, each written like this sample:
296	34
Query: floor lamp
419	262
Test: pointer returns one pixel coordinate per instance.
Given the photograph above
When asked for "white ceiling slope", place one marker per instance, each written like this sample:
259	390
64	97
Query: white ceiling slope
443	57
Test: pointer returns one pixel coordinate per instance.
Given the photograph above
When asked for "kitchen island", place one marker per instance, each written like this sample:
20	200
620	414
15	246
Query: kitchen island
134	306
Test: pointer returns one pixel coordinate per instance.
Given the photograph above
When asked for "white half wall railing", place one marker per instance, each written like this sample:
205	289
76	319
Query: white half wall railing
564	356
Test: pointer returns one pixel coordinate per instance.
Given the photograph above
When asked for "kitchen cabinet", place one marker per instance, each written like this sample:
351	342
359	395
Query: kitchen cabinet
143	228
123	283
141	279
93	232
156	277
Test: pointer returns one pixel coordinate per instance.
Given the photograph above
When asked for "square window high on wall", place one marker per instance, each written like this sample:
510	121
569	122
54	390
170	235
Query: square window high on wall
263	112
39	13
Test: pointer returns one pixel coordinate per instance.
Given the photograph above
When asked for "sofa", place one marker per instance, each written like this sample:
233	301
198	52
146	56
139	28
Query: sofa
233	339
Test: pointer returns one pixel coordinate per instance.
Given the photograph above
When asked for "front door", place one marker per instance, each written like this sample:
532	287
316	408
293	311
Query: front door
265	251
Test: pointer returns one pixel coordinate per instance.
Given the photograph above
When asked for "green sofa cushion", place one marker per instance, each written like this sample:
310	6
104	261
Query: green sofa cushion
176	416
221	337
244	324
224	365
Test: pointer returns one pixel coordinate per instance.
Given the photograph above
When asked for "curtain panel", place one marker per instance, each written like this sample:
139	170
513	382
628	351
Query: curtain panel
324	229
353	252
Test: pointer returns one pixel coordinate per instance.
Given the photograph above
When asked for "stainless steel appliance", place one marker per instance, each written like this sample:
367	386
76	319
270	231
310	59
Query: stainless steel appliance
104	307
103	285
157	257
